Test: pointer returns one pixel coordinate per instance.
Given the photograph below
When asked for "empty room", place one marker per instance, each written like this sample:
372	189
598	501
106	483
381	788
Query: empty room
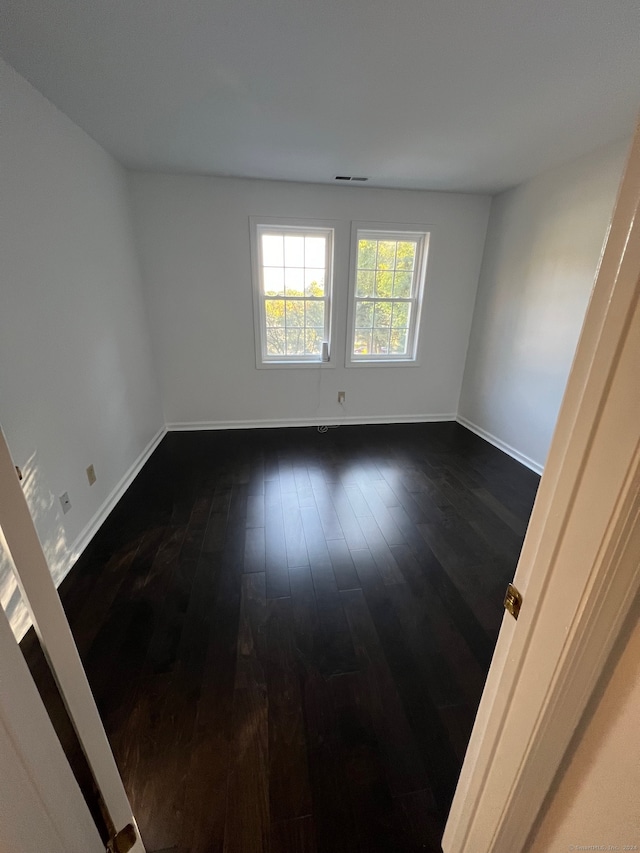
319	426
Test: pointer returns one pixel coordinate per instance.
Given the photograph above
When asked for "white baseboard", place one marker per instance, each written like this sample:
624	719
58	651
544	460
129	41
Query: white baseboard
345	420
90	530
501	445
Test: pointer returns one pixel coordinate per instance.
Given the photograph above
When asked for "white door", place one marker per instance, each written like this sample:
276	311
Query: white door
41	807
41	810
579	569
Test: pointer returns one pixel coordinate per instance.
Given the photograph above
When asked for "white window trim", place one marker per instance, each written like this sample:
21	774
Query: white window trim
395	231
256	224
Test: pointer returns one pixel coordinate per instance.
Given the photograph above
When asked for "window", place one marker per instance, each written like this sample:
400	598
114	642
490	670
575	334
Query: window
292	291
387	282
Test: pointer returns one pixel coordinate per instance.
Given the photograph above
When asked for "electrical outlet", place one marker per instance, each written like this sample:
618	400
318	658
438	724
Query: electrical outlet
91	475
341	396
66	503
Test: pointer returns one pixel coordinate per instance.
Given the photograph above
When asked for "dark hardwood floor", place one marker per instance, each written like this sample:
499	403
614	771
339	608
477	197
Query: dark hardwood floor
287	633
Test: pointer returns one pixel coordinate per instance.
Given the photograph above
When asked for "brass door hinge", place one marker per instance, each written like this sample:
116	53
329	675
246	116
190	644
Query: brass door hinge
512	601
123	841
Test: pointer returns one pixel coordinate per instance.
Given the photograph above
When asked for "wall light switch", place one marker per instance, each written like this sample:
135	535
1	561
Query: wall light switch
91	475
341	396
66	503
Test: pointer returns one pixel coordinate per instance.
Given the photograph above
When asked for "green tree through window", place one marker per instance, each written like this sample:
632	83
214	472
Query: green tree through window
294	291
387	295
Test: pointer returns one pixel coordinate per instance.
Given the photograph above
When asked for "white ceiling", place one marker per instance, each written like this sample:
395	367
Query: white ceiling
473	95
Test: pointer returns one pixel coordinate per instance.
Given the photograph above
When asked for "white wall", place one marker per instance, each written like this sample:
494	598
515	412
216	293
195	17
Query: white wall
193	239
77	383
543	245
596	801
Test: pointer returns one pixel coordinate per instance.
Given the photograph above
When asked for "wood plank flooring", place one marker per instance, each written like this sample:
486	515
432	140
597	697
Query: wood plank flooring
287	632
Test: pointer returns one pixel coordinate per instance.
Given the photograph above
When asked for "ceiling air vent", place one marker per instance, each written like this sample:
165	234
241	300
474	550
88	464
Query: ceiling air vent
349	178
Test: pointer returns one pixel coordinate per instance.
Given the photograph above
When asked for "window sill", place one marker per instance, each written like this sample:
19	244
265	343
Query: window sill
396	362
279	365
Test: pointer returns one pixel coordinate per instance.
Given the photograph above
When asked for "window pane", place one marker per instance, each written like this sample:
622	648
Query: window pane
387	291
314	314
365	283
364	315
295	341
295	314
295	289
362	342
386	255
367	254
274	312
275	342
399	341
401	315
294	281
380	341
314	282
402	284
272	250
384	284
313	341
273	279
382	315
315	251
293	250
406	255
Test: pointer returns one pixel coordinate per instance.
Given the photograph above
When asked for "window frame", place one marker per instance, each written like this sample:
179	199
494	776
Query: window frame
391	231
284	225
